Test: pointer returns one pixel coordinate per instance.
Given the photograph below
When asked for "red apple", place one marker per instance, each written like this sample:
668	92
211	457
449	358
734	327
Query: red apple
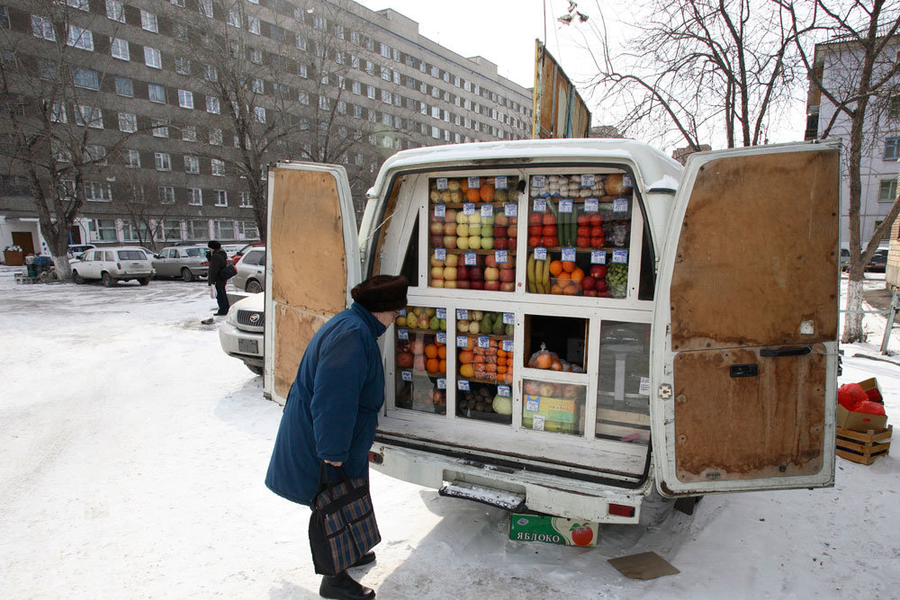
507	287
449	229
591	293
491	274
507	275
436	227
588	283
450	216
602	286
603	294
512	231
462	273
450	242
500	243
437	241
463	284
492	286
476	274
598	271
476	285
490	260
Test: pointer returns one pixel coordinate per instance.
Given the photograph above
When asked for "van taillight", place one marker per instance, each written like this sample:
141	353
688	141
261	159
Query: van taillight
620	510
119	266
376	458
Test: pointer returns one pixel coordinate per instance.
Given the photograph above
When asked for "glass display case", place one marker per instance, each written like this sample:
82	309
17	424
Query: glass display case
421	359
623	390
484	353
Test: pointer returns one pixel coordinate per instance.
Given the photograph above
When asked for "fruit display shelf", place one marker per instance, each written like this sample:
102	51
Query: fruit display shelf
459	205
577	248
498	337
479	251
412	330
480	380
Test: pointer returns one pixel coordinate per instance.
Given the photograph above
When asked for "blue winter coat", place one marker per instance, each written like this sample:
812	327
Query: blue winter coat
332	408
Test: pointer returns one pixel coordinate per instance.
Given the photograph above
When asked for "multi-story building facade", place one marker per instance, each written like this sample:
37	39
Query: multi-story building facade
324	80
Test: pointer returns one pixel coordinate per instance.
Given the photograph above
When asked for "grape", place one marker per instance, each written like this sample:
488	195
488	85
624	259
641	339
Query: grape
617	278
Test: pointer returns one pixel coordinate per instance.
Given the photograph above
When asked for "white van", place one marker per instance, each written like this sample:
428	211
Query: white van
112	265
587	319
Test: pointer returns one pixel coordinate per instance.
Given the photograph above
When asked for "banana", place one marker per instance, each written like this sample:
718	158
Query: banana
546	275
530	274
539	276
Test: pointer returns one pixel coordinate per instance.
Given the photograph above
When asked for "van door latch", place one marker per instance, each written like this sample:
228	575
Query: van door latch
665	391
748	370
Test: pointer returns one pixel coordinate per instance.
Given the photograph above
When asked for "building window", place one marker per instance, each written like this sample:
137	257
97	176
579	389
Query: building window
253	24
127	122
149	22
197	229
302	71
89	116
182	66
212	105
324	103
156	93
178	3
80	38
217	166
195	196
224	229
119	49
189	133
210	73
215	137
42	27
259	113
58	112
245	200
892	148
221	197
125	87
320	23
171	229
256	56
102	230
887	190
258	86
115	11
95	191
166	194
248	230
132	159
152	58
160	128
370	92
233	18
185	99
303	98
95	154
163	161
191	164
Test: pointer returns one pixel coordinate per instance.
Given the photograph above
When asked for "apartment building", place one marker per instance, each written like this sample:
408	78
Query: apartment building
169	159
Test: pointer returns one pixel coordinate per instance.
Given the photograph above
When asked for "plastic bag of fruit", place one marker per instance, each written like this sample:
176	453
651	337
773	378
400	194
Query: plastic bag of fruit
543	359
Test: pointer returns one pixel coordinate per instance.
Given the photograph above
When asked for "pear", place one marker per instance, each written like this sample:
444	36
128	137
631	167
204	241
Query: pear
434	323
498	326
487	323
474	326
462	326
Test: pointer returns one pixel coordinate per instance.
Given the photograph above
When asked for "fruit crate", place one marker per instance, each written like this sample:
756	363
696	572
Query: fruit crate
863	448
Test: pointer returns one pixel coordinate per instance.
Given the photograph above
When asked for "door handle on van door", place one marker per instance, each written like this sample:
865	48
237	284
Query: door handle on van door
779	352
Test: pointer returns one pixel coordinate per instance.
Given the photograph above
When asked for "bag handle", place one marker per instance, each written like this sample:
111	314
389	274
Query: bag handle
325	482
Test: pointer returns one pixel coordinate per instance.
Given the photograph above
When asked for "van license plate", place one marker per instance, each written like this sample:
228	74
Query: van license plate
248	346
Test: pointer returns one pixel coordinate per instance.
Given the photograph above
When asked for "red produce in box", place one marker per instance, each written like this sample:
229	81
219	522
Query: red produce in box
602	286
548	219
851	395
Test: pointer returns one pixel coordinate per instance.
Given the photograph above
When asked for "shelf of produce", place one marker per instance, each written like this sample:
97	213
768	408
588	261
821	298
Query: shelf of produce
424	331
429	374
459	205
485	381
479	251
577	249
499	338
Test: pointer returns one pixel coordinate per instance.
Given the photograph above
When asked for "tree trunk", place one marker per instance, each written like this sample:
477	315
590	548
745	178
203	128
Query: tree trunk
853	319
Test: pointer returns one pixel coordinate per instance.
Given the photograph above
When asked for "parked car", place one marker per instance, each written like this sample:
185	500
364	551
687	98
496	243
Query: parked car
241	333
251	272
150	253
878	262
77	250
232	249
112	265
845	258
240	253
187	262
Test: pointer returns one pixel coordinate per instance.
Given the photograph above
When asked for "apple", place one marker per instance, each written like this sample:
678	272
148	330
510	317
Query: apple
474	230
449	228
492	286
500	231
463	284
507	275
591	293
474	241
487	243
436	227
507	287
588	283
501	219
487	230
450	216
491	274
462	243
476	274
450	284
598	271
474	219
437	283
487	220
462	272
437	241
476	285
452	260
462	230
501	243
490	260
602	286
512	231
435	262
450	241
437	272
449	274
461	218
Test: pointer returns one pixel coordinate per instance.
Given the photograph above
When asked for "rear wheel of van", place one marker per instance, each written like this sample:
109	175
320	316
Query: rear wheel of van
144	280
186	274
255	369
108	280
253	287
76	277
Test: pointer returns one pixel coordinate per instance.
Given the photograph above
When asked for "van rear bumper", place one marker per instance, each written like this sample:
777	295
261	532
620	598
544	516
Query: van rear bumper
550	494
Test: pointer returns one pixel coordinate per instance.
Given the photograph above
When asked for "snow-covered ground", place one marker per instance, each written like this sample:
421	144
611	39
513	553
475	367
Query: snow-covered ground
133	451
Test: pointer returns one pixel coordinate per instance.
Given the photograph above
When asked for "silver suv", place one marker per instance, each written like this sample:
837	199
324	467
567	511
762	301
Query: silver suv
187	262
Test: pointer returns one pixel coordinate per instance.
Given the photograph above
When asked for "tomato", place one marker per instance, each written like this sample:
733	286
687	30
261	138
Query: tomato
583	242
582	535
549	219
548	230
534	219
534	241
584	230
597	231
597	242
584	219
596	220
534	230
551	241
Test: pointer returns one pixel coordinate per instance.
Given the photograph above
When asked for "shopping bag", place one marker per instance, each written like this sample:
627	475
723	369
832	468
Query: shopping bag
212	292
342	527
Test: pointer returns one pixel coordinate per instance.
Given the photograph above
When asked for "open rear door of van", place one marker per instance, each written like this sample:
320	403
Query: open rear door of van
746	324
312	262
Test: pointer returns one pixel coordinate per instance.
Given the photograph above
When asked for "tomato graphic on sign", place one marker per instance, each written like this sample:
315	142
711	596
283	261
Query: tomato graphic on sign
581	534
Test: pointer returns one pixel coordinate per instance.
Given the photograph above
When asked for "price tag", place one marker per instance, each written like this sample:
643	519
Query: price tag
626	181
537	423
591	205
406	375
644	389
440	254
442	383
507	345
462	341
565	205
470	259
462	314
441	313
500	256
509	319
468	208
620	205
487	210
540	254
402	333
540	205
532	404
503	390
500	182
401	312
511	210
441	337
539	182
587	181
568	254
442	183
440	210
475	182
462	385
484	342
620	257
598	257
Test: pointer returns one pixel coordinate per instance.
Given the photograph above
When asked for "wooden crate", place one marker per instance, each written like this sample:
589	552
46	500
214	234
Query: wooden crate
863	448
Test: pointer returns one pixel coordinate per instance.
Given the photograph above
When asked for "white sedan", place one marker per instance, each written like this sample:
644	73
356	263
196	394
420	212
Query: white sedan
241	333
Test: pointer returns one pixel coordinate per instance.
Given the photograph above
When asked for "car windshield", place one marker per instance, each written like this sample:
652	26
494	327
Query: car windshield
132	255
195	252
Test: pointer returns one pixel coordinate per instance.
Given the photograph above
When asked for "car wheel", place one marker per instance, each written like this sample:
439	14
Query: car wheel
186	274
76	277
255	369
253	287
144	281
108	280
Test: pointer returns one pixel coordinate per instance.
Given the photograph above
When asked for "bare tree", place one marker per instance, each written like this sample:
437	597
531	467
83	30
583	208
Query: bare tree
861	63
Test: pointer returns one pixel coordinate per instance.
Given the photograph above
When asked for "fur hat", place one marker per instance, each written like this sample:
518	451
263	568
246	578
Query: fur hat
381	293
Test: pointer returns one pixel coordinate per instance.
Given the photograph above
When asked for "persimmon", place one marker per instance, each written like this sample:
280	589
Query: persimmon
473	195
544	360
568	266
432	365
487	193
466	356
442	351
464	184
556	267
442	366
431	351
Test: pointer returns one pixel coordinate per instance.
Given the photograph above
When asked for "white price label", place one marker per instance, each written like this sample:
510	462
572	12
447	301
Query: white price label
462	341
532	403
626	181
507	345
401	312
440	210
509	319
500	256
568	254
539	182
500	182
620	257
462	385
406	375
598	257
587	181
503	390
442	384
537	423
440	254
540	205
441	337
620	205
591	205
484	342
474	182
441	313
540	253
511	210
644	389
442	183
565	205
470	259
487	210
402	333
462	314
468	209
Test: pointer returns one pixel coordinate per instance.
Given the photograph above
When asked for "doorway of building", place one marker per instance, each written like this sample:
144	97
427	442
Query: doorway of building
24	240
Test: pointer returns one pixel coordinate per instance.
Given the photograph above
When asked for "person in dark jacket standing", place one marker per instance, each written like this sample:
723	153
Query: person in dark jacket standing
217	260
332	408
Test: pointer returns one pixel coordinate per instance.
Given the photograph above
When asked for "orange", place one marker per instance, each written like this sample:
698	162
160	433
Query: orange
555	289
564	276
501	361
466	357
442	351
431	351
501	353
501	369
442	367
568	266
571	291
467	371
556	268
490	368
473	194
577	275
432	365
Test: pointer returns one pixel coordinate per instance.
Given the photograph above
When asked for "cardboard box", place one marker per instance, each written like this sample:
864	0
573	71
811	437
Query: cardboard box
552	530
872	389
855	421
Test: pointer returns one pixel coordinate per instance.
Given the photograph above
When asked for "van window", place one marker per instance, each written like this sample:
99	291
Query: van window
410	268
623	387
110	257
131	255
